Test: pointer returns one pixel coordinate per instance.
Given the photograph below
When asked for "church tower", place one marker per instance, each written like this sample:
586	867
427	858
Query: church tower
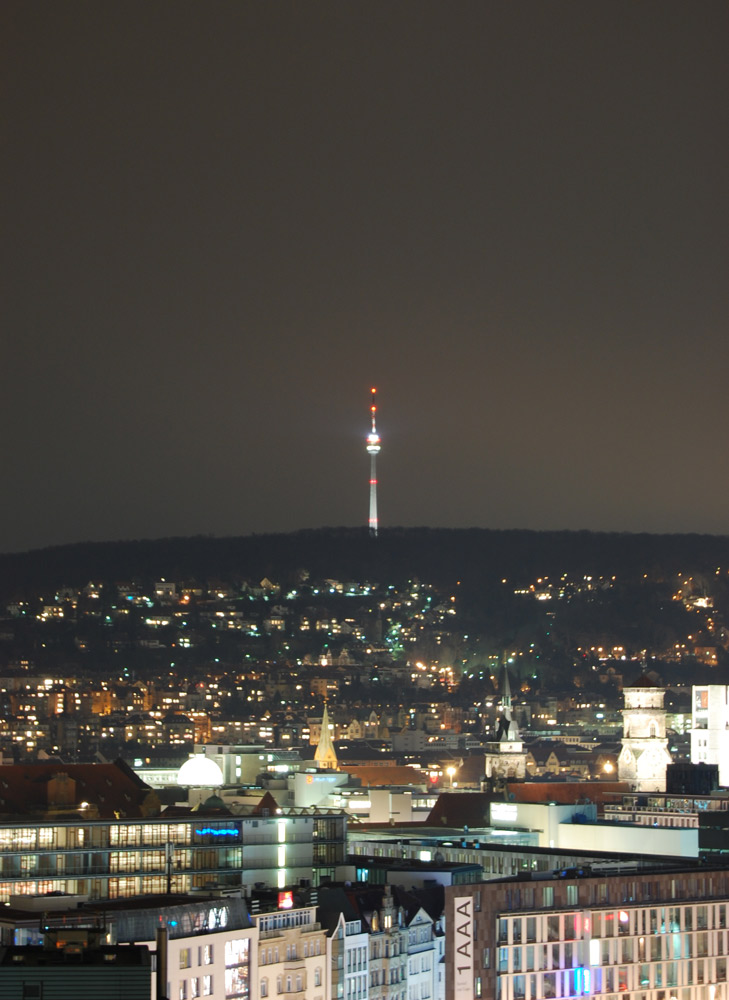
644	755
505	757
325	755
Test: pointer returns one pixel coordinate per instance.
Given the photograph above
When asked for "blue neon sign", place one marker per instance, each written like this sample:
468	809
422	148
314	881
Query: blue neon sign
208	831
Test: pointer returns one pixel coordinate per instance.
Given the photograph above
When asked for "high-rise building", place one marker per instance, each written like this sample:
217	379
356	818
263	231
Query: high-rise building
373	447
710	727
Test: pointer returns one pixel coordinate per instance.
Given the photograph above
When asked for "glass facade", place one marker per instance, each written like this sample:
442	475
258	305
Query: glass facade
118	859
647	953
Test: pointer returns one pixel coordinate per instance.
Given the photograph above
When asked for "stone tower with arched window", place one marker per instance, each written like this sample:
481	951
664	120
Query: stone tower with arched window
644	755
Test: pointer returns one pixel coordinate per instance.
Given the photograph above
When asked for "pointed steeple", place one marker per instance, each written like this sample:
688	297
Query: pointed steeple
508	730
325	755
506	695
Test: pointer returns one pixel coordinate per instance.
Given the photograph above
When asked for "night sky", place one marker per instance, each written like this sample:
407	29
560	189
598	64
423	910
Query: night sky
223	222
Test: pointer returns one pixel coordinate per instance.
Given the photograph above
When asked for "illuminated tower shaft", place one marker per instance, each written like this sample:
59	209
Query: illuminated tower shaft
373	447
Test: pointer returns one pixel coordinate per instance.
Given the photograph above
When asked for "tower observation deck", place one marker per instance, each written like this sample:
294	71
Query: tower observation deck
373	447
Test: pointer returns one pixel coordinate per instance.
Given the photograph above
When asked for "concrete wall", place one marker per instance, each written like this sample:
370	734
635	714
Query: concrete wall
628	839
544	818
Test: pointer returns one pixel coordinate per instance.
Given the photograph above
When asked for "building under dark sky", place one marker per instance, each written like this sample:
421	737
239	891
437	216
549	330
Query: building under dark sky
224	222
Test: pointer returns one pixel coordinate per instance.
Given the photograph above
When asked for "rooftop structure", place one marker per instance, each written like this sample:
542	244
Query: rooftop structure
200	771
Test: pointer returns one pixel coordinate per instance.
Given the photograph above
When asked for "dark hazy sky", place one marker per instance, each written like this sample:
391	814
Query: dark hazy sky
225	221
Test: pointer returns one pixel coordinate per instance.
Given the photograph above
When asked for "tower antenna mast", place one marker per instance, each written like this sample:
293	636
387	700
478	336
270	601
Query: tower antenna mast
373	447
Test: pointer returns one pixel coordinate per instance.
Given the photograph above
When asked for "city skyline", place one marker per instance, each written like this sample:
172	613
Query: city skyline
224	224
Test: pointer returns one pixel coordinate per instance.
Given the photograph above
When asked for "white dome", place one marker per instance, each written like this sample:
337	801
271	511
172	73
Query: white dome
200	771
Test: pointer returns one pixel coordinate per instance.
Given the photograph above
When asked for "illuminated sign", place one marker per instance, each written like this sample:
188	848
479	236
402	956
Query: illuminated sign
582	981
503	812
208	831
217	917
463	953
285	900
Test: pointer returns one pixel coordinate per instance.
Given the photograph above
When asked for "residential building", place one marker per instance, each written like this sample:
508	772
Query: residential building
292	951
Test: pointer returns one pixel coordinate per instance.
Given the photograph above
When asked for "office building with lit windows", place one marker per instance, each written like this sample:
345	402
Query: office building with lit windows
648	935
96	830
105	859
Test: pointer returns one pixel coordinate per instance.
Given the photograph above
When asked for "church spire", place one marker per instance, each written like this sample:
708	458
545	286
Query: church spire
325	755
507	728
506	694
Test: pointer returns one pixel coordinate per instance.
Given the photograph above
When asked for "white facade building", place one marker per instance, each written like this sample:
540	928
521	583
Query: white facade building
219	966
348	960
710	727
423	957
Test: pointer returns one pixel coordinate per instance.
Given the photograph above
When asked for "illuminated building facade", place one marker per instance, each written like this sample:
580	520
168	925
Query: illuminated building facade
647	936
710	727
644	756
109	859
348	958
292	952
388	950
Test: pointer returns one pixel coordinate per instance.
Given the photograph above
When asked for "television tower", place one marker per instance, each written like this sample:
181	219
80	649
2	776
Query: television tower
373	447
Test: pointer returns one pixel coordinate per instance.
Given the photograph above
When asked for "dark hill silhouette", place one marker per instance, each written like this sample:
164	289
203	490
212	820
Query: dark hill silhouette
477	557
